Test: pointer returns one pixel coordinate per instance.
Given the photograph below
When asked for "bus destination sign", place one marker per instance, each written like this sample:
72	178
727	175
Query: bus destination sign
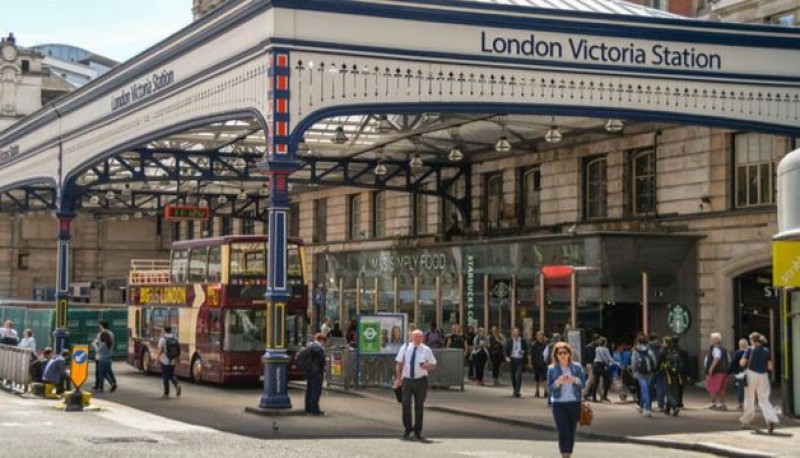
184	212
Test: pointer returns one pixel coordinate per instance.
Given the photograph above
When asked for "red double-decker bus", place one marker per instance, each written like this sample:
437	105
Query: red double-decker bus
211	291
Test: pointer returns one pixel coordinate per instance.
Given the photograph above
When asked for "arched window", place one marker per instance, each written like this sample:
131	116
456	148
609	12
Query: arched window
531	187
493	200
596	205
643	185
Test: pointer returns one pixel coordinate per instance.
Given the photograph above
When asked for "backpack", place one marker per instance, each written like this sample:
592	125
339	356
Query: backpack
304	359
172	348
645	364
672	363
434	339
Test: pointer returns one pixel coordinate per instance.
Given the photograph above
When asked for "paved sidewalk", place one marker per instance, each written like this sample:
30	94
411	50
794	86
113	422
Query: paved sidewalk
695	428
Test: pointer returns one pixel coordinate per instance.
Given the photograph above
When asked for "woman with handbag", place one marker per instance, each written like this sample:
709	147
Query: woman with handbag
757	362
565	379
738	373
480	354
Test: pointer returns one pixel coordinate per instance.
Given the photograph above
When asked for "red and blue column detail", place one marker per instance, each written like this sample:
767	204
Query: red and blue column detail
279	165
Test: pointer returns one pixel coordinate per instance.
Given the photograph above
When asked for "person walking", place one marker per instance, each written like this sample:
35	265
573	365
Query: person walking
469	341
480	354
538	362
658	386
315	372
565	379
587	359
716	370
643	362
103	345
169	351
672	370
601	369
738	373
516	350
414	360
757	362
497	342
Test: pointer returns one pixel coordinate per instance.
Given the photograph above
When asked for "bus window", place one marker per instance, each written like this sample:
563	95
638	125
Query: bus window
245	330
197	265
213	327
248	259
145	326
137	324
180	260
214	265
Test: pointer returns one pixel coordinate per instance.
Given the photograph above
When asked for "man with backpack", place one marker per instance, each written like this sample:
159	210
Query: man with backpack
434	337
716	368
658	386
312	361
672	370
643	362
169	352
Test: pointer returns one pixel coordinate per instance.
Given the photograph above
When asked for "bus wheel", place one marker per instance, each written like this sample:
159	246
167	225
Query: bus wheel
147	364
197	369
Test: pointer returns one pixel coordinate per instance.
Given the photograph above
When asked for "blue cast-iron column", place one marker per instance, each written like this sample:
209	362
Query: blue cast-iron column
61	333
279	165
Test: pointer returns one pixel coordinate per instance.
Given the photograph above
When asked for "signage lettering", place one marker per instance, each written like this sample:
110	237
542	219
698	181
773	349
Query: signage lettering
593	51
162	295
142	89
470	299
413	262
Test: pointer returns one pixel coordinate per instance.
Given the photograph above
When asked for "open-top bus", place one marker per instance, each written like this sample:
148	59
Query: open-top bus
211	291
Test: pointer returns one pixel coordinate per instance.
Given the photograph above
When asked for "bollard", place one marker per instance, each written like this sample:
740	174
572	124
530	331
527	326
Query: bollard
74	401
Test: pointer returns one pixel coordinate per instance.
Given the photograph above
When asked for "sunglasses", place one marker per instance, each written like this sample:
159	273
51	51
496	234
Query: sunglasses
562	353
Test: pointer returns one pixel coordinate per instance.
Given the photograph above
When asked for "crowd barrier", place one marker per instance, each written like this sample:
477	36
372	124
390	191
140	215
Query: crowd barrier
15	367
345	370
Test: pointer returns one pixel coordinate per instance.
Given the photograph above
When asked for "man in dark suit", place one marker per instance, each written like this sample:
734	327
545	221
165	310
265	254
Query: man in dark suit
516	350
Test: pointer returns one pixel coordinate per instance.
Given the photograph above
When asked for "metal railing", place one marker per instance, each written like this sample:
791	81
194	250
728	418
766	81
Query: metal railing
149	271
342	369
15	367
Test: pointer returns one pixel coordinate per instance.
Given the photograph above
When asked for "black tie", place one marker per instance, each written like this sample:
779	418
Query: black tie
413	361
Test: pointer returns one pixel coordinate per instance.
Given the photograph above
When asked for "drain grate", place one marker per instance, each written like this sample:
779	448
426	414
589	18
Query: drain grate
121	440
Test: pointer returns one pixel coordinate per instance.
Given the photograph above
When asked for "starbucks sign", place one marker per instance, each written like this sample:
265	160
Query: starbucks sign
678	318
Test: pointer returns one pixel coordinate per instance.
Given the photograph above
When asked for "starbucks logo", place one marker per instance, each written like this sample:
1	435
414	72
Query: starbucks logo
678	318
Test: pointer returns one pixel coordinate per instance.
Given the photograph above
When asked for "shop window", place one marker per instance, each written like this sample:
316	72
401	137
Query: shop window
248	223
420	214
643	182
595	191
353	216
320	220
294	219
493	200
531	186
755	158
379	214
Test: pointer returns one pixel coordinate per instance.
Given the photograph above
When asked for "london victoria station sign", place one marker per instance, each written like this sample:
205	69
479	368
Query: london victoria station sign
141	89
593	51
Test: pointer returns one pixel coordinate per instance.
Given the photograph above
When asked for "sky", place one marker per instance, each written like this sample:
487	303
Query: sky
118	29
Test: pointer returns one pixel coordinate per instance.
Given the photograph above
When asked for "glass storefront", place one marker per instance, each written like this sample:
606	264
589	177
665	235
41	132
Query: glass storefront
498	283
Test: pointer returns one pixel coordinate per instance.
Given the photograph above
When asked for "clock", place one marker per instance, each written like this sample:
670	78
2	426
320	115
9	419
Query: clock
8	52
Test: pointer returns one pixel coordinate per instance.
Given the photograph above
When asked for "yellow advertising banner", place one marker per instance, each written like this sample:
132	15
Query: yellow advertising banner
79	366
786	263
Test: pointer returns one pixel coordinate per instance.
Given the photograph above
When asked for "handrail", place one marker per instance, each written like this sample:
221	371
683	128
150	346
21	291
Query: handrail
15	367
149	271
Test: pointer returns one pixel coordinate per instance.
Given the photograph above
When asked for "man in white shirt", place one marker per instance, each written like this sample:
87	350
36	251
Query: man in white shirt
8	335
516	351
414	360
325	329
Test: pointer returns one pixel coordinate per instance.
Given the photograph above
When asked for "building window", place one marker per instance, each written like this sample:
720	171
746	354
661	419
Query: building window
26	66
493	200
420	214
227	226
379	214
643	182
353	216
531	186
596	204
786	19
294	219
248	223
176	232
320	221
756	159
208	228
